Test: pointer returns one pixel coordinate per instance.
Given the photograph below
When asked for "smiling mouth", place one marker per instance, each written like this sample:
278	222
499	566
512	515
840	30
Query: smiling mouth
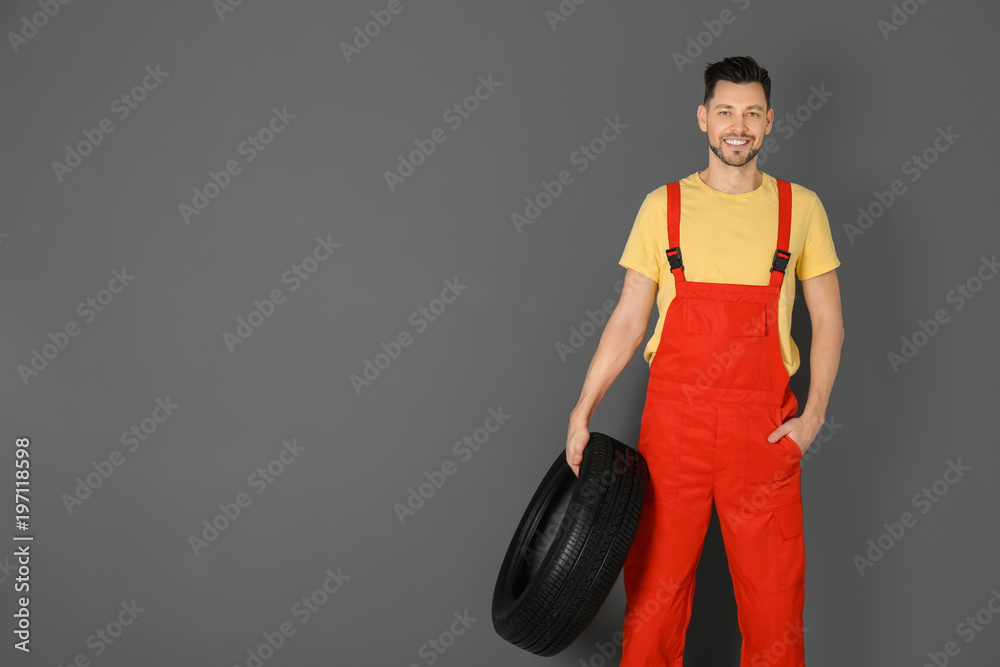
736	143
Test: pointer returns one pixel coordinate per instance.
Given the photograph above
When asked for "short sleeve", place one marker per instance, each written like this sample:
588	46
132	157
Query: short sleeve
642	250
818	252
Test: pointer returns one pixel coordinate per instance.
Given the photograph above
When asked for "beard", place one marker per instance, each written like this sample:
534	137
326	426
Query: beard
738	162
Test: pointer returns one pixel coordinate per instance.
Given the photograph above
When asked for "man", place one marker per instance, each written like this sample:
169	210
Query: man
720	250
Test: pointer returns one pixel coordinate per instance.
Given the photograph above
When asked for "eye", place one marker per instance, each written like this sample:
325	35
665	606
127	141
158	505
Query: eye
721	112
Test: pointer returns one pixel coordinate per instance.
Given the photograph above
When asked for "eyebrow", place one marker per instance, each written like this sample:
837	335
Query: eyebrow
729	106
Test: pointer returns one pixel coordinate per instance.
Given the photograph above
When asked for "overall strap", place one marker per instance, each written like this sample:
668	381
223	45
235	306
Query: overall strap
674	231
781	254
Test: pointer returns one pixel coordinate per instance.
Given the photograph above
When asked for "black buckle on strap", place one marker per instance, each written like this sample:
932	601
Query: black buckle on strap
674	257
780	262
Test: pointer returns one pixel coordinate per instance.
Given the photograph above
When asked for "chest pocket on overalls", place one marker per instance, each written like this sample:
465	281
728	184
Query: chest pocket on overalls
723	342
724	318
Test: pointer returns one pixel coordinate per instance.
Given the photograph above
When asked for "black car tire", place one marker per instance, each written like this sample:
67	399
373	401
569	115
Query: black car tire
570	547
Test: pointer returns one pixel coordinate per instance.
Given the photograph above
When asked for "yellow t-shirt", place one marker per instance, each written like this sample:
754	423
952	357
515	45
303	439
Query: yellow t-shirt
731	238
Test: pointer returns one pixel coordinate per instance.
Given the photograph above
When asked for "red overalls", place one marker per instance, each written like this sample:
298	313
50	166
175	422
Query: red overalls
717	388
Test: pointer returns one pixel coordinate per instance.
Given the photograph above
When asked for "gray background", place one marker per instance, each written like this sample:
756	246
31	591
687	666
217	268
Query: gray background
493	347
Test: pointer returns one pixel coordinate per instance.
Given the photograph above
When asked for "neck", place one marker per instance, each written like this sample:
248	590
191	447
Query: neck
732	180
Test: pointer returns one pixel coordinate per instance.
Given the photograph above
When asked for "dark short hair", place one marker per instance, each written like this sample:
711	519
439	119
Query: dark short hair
737	69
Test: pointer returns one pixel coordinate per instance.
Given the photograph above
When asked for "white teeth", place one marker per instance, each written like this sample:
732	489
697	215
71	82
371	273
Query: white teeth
736	142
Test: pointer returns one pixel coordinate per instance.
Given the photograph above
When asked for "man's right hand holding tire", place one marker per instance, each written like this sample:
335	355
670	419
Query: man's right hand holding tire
576	439
622	334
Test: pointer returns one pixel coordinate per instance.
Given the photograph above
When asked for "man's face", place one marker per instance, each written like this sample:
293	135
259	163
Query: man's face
736	114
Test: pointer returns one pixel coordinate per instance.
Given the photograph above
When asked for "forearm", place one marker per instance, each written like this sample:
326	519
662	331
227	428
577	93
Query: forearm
616	347
824	360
